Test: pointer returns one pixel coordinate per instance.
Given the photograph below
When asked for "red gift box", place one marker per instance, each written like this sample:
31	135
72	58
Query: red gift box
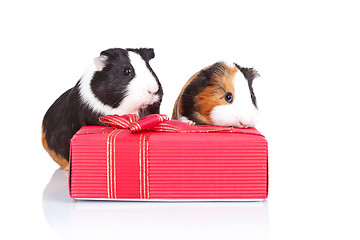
159	159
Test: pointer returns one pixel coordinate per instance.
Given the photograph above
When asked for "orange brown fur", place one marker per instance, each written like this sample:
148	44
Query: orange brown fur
58	159
213	96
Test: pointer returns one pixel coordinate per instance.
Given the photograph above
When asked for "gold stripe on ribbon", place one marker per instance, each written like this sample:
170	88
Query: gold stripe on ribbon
114	163
110	163
140	164
144	166
147	165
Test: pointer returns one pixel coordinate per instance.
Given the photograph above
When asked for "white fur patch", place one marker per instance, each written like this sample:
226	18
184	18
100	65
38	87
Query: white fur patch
241	112
140	91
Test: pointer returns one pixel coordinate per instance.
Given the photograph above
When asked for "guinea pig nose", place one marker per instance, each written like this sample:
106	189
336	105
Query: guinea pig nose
151	89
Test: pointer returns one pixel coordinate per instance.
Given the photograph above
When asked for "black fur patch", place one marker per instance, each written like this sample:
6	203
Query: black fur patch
64	118
250	74
109	84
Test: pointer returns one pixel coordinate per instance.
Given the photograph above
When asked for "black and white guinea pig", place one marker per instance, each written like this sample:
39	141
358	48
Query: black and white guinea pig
220	94
119	81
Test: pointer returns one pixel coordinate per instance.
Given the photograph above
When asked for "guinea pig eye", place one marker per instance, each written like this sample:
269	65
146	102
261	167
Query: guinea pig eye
228	97
127	72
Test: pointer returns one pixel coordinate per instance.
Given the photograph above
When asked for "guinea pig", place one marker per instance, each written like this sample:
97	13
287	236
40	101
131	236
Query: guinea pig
220	94
119	81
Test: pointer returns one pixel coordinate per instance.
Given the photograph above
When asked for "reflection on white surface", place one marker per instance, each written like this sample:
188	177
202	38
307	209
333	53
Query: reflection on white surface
75	219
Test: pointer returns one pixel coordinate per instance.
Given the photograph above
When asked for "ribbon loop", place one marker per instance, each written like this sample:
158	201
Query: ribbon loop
132	121
119	121
148	122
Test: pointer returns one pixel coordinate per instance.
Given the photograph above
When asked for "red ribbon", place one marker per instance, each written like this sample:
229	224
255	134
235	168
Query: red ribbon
161	123
132	122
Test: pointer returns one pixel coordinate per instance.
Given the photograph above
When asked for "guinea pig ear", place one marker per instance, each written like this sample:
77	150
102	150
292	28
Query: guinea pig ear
249	73
146	53
100	62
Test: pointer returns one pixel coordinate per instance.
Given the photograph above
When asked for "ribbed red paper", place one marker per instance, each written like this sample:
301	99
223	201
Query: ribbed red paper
111	163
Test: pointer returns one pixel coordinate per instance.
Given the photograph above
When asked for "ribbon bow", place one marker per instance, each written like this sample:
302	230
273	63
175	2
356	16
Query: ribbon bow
162	123
132	121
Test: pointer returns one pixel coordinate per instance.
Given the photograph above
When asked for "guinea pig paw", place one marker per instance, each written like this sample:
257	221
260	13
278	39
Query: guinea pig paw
189	122
186	120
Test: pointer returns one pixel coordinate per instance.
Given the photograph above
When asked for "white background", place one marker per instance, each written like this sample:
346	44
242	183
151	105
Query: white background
307	54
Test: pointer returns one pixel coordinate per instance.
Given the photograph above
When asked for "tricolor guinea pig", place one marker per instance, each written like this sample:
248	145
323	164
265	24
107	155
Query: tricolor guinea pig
119	81
221	94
